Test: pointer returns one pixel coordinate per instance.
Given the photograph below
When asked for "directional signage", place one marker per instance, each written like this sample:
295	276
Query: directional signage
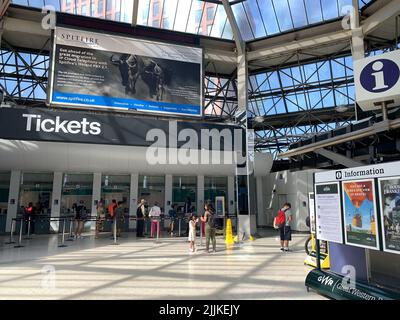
377	79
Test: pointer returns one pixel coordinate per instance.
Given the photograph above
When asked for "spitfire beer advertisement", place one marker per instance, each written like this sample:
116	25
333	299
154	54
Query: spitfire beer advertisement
389	190
360	215
144	76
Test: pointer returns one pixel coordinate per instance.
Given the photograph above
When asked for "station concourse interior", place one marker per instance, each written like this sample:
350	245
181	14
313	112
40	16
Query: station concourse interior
246	109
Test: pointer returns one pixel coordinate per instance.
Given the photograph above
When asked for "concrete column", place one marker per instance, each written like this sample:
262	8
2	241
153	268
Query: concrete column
168	192
260	201
134	194
56	200
13	197
357	36
96	195
231	195
200	195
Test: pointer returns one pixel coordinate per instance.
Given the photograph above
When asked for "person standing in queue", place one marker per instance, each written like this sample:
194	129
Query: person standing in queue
140	216
80	216
111	207
286	230
172	216
210	227
119	217
30	212
154	214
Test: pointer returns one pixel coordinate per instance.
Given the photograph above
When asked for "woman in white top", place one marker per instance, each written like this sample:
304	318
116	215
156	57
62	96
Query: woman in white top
192	233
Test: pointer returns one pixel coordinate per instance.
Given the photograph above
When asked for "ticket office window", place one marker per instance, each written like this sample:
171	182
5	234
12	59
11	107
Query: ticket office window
116	187
36	188
152	189
76	188
215	187
184	193
5	178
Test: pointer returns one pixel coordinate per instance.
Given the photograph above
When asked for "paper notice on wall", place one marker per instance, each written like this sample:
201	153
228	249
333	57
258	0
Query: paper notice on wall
328	212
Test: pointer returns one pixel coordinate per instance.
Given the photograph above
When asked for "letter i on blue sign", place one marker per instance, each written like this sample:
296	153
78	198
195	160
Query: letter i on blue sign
379	76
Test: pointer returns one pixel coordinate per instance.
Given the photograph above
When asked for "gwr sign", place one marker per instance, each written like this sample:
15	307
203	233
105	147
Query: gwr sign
377	79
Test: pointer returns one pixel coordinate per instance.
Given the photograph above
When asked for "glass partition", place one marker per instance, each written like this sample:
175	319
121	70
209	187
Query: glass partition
116	187
4	191
76	188
215	187
36	188
152	189
184	193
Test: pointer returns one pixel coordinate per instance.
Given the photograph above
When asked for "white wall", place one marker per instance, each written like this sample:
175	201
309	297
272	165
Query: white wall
279	187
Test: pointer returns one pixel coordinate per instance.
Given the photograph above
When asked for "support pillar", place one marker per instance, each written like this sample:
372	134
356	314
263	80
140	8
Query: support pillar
168	193
134	198
200	195
13	198
231	195
56	200
96	196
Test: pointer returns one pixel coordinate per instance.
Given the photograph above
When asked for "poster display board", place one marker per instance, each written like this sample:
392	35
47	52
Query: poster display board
311	206
328	212
95	70
370	197
220	206
359	212
389	192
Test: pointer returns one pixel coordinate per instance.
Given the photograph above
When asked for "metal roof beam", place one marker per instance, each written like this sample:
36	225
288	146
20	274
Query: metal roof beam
135	11
295	46
373	22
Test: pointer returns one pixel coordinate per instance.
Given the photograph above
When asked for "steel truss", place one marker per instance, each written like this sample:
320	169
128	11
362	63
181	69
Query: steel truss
307	94
23	75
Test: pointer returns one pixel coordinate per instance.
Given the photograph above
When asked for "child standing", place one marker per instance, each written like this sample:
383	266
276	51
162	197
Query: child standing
192	233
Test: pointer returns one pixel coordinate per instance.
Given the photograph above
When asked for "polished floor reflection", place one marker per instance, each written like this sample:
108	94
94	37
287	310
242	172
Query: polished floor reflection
142	269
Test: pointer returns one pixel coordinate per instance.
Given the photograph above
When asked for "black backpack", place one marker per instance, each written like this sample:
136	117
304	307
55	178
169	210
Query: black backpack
212	220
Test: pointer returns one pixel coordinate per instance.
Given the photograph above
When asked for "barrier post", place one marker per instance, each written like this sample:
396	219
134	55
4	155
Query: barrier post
62	245
115	231
11	241
19	245
201	233
71	223
145	225
29	229
179	231
158	230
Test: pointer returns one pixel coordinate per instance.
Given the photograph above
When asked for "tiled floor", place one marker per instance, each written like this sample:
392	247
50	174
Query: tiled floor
142	269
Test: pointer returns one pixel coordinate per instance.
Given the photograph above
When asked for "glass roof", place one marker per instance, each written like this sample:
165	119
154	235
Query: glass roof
256	18
310	86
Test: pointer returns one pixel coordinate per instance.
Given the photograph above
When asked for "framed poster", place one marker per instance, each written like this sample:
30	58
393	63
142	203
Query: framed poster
360	217
220	206
311	208
328	212
103	71
389	200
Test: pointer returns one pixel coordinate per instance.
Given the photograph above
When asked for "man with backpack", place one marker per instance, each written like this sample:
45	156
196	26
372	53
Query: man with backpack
282	223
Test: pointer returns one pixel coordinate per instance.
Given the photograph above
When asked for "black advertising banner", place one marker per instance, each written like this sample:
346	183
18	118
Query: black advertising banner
106	71
360	214
80	127
389	191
